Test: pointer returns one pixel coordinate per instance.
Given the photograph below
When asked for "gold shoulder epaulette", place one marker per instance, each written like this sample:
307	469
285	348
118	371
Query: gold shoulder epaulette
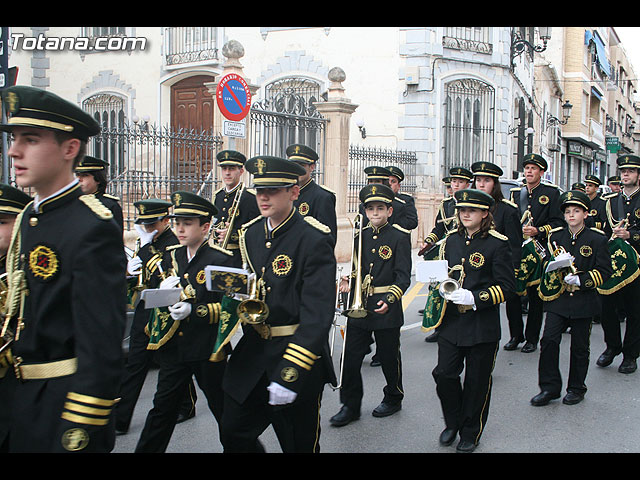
402	229
598	230
509	202
317	224
96	206
497	234
172	247
327	189
220	249
112	197
251	222
400	200
557	229
515	189
609	195
252	191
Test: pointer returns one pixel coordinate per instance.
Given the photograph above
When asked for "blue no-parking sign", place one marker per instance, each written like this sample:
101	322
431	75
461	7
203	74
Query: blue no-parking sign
233	97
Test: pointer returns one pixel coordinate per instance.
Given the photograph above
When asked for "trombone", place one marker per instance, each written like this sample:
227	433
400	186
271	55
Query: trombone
335	326
527	221
356	307
233	212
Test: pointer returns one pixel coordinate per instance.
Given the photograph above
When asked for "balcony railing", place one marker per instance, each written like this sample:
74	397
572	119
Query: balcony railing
190	45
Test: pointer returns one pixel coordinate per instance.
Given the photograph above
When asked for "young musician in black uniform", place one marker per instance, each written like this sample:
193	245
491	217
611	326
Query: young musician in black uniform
12	202
574	301
507	222
66	299
614	183
232	167
623	206
409	213
278	368
459	178
314	200
146	271
385	271
597	215
480	259
190	349
542	200
92	175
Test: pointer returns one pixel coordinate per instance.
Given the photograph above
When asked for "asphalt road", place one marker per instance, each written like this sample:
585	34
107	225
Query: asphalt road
606	421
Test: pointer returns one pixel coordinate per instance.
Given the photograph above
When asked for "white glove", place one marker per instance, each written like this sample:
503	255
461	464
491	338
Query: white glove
462	296
565	256
170	282
279	395
145	237
134	266
572	279
180	310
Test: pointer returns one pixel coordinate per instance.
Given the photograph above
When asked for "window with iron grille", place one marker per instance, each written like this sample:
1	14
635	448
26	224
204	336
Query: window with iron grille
468	123
109	111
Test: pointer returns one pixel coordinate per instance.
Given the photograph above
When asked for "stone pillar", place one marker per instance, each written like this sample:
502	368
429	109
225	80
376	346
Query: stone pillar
233	51
337	110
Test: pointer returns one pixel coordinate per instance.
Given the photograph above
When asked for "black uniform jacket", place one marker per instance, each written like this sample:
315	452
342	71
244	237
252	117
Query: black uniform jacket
489	275
544	203
386	257
593	263
75	308
195	336
445	220
618	207
152	255
404	214
113	204
598	214
247	210
507	222
318	202
298	266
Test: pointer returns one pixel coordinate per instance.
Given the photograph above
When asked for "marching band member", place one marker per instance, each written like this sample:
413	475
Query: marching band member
386	263
541	200
486	177
66	252
278	368
232	167
190	348
407	217
623	206
573	299
92	175
315	200
597	215
470	329
614	183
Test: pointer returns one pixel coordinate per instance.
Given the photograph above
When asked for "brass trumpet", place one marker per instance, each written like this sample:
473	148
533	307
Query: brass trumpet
254	311
356	303
527	221
450	285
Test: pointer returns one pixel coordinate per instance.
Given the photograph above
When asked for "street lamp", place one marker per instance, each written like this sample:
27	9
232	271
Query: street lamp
566	113
518	45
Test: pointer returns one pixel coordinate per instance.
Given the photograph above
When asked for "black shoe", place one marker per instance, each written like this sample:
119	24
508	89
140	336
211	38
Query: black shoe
375	362
465	446
121	431
628	365
432	338
571	398
607	357
529	347
344	417
421	312
512	344
183	417
543	398
386	409
447	436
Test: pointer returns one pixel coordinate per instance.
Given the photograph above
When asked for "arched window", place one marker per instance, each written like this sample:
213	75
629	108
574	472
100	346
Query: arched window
109	111
468	123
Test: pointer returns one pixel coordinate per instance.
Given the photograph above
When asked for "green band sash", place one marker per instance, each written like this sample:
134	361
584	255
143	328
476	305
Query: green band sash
552	284
227	326
624	260
434	309
530	271
160	327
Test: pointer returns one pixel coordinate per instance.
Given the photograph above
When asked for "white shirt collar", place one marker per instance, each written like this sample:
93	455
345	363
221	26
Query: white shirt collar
37	201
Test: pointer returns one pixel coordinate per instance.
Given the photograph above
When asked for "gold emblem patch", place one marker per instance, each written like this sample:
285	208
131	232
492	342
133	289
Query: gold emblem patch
385	252
289	374
476	259
201	277
484	295
303	208
202	311
637	213
586	251
543	200
281	265
75	439
43	262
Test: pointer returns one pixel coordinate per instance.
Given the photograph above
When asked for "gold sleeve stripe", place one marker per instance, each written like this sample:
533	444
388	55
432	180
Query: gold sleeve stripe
596	277
493	295
72	417
302	358
431	238
78	397
296	361
397	291
75	407
496	294
303	350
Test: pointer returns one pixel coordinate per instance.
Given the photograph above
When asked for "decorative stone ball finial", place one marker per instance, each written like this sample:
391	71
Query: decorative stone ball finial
233	49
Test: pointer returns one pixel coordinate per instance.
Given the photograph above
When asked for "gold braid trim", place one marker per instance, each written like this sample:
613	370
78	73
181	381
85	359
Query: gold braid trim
15	276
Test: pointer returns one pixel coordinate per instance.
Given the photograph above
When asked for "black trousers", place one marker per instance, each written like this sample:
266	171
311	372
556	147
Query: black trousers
534	318
549	377
358	341
139	361
465	406
297	425
627	299
173	379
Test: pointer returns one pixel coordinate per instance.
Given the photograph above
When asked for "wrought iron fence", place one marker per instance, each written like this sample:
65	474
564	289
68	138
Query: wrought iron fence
362	157
148	161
